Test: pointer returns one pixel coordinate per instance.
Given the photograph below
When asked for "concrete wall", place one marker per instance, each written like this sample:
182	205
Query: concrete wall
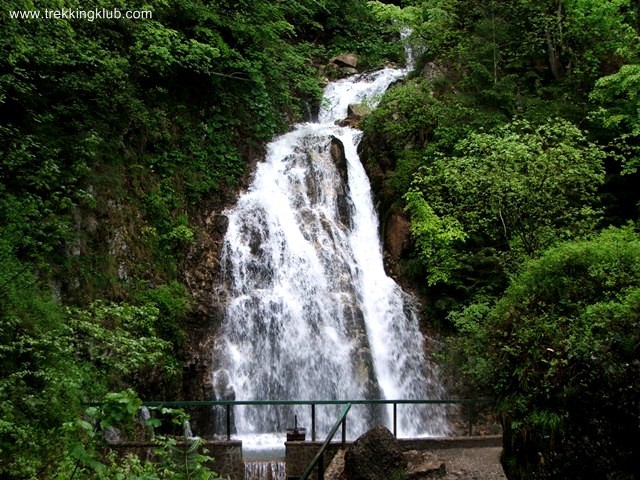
228	461
299	454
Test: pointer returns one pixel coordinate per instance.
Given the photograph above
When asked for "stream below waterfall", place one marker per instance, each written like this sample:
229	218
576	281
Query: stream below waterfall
311	313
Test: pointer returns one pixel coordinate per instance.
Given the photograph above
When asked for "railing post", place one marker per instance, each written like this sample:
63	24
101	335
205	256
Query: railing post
319	457
228	422
470	418
313	422
395	420
344	431
321	467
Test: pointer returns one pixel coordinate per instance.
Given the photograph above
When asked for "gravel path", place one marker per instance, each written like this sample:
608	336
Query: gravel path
469	463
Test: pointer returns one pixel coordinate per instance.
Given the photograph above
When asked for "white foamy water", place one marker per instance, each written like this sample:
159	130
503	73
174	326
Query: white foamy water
312	314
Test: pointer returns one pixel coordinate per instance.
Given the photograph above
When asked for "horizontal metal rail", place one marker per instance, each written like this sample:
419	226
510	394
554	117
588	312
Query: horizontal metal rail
228	404
205	403
318	459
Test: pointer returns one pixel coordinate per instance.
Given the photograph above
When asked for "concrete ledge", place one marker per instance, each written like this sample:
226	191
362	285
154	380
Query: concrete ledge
442	443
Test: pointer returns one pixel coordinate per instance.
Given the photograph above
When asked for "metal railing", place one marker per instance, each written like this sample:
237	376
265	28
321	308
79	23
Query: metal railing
318	459
229	404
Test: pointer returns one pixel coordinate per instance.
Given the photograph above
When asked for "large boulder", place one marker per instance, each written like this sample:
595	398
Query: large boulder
336	467
375	455
346	60
355	113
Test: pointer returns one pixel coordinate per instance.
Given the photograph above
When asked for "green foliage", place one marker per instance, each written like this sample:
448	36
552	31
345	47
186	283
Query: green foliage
360	32
87	435
616	109
90	456
560	353
432	25
52	358
502	198
407	115
39	386
436	239
120	340
489	131
174	305
183	460
411	123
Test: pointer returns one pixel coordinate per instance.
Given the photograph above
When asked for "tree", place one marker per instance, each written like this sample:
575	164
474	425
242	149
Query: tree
507	195
560	352
616	99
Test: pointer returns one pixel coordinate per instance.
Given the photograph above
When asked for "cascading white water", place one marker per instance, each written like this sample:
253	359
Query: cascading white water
265	470
311	312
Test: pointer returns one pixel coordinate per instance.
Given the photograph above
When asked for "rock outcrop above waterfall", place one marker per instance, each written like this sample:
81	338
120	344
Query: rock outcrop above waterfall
342	65
394	222
395	232
346	60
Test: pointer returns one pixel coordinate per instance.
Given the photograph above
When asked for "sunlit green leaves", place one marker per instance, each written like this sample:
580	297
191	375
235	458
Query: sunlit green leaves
617	109
120	340
507	195
436	238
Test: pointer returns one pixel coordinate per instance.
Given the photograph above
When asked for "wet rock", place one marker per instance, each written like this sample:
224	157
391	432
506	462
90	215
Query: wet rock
343	201
346	60
375	455
336	467
355	113
358	110
339	158
397	234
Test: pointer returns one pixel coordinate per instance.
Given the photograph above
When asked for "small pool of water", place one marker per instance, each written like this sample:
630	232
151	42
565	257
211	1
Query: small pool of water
262	446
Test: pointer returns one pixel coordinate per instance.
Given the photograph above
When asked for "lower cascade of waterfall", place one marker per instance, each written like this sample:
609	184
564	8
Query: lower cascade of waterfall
265	470
311	313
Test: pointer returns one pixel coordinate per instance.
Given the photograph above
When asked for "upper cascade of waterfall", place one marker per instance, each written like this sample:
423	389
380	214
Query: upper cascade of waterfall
311	312
361	88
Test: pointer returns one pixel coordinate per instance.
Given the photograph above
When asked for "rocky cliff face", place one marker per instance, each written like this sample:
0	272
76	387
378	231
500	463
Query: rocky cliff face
203	277
394	222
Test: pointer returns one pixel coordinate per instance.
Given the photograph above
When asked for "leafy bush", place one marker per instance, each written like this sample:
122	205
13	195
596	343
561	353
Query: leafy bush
500	199
91	456
120	342
560	351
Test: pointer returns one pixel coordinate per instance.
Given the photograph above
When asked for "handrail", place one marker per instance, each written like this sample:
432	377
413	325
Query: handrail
210	403
320	454
469	402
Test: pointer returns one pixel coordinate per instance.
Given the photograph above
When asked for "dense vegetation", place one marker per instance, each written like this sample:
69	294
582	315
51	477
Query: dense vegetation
514	149
116	136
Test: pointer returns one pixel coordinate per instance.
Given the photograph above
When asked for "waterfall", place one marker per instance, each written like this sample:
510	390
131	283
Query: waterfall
265	470
311	312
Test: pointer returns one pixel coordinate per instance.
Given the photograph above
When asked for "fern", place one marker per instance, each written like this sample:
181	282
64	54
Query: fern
184	459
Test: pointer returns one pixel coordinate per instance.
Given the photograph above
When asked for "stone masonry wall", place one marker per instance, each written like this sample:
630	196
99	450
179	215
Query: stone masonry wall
227	456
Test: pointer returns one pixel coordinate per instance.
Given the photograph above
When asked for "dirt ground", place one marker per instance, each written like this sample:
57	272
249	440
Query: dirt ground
469	463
